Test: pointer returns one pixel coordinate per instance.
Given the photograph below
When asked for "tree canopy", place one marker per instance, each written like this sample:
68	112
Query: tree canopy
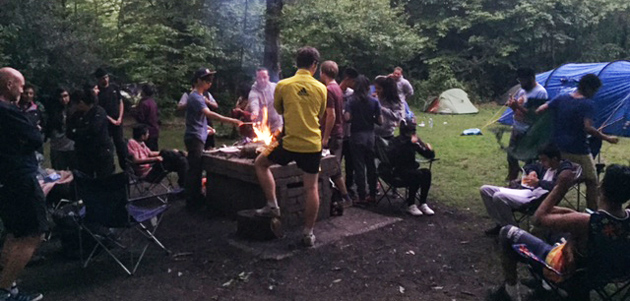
473	44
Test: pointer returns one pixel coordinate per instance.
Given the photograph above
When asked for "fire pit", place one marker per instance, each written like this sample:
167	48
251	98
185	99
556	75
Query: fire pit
233	186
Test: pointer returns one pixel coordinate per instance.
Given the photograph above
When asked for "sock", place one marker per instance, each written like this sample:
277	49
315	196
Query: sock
273	204
308	231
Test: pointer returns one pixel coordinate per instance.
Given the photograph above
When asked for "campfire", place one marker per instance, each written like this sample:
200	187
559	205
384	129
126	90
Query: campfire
264	142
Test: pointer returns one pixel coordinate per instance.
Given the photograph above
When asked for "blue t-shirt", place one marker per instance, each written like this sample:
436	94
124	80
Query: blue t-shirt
196	122
364	113
568	123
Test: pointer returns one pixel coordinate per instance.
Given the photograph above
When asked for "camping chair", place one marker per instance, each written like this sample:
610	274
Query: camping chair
386	177
142	186
525	212
107	206
608	276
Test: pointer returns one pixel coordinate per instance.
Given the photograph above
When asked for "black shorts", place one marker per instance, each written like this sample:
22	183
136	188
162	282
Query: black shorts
23	207
308	162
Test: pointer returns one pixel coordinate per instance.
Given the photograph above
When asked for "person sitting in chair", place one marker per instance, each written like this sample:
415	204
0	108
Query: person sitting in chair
402	156
599	242
166	160
538	179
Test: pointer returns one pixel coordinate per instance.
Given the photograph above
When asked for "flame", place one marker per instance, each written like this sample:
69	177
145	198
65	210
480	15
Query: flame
262	129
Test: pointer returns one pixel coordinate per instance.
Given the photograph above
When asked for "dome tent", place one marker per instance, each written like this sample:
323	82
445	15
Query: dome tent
612	101
453	101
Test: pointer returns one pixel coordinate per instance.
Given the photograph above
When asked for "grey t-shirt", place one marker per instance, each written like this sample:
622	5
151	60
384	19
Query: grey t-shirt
196	122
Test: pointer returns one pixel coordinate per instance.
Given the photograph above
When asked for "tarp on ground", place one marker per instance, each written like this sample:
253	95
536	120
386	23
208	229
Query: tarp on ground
612	101
452	101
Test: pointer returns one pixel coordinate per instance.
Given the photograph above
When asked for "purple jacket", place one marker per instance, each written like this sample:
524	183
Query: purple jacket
147	113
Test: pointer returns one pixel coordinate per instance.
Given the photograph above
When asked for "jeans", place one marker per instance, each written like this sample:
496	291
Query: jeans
362	148
194	147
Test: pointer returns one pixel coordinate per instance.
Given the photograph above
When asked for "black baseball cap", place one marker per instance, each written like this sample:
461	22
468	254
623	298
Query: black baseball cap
201	73
100	72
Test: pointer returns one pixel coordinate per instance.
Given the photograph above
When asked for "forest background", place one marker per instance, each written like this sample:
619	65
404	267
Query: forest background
472	44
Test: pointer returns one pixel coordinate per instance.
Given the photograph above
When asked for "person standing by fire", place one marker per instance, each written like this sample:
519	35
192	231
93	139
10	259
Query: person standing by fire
332	127
260	97
197	115
301	100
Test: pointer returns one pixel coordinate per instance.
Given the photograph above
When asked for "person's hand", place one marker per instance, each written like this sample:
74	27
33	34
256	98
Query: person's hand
238	123
612	139
429	146
118	121
414	138
159	158
211	131
325	143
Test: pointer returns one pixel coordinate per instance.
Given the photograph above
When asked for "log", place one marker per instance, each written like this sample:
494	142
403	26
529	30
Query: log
253	227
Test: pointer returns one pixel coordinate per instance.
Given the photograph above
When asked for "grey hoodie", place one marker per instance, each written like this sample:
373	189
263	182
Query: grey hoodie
261	96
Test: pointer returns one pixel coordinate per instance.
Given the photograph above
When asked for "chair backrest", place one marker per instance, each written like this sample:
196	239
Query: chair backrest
105	199
608	249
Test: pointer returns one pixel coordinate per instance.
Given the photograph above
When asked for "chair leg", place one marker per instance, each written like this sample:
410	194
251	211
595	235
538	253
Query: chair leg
99	243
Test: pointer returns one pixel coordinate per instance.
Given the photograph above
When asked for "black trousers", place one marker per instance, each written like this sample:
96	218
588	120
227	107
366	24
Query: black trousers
362	148
173	162
416	179
346	154
116	132
195	147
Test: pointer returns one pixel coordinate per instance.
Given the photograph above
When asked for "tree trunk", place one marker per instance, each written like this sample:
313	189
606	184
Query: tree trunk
271	59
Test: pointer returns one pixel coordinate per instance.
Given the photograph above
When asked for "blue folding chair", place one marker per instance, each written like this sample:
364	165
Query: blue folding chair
108	212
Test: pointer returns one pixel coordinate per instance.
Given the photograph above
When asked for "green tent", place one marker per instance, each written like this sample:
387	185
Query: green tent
453	101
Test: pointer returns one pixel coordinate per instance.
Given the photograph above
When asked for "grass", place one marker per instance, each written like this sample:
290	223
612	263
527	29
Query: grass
466	162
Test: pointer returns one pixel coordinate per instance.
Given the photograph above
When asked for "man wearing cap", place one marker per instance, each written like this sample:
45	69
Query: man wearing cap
22	202
301	99
109	98
197	114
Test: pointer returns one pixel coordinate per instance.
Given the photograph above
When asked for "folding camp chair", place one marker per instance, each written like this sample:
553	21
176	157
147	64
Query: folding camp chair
386	177
525	212
142	186
605	272
107	206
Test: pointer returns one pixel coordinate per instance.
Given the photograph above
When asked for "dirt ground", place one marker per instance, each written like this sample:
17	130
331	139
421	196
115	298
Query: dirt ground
444	257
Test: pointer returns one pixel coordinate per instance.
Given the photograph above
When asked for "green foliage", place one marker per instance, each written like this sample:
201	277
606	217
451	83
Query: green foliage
485	40
367	34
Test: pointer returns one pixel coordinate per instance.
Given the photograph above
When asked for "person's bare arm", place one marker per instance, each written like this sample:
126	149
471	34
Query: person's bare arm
347	116
517	104
147	160
121	107
221	118
558	218
588	127
330	122
542	108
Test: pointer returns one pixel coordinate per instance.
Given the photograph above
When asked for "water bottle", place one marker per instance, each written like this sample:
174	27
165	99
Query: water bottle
430	122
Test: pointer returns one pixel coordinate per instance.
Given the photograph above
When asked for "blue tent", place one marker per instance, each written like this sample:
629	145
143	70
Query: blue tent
612	101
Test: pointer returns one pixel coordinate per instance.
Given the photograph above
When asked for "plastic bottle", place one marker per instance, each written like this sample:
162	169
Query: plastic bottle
431	122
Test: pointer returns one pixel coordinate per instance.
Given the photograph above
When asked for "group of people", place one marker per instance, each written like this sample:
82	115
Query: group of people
599	237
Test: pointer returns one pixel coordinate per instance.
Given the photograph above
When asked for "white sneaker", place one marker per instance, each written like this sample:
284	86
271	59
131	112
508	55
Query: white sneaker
308	240
268	211
426	210
413	210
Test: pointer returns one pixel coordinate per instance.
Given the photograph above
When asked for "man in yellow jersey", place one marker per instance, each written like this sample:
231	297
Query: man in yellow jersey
301	100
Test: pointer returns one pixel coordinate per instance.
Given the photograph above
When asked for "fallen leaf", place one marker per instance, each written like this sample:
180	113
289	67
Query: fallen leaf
437	288
410	252
336	280
228	283
179	274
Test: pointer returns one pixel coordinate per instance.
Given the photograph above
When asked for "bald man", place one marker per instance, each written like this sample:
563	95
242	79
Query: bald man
22	202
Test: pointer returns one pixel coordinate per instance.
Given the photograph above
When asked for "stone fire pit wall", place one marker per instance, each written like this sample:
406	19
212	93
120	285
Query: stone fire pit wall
233	186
